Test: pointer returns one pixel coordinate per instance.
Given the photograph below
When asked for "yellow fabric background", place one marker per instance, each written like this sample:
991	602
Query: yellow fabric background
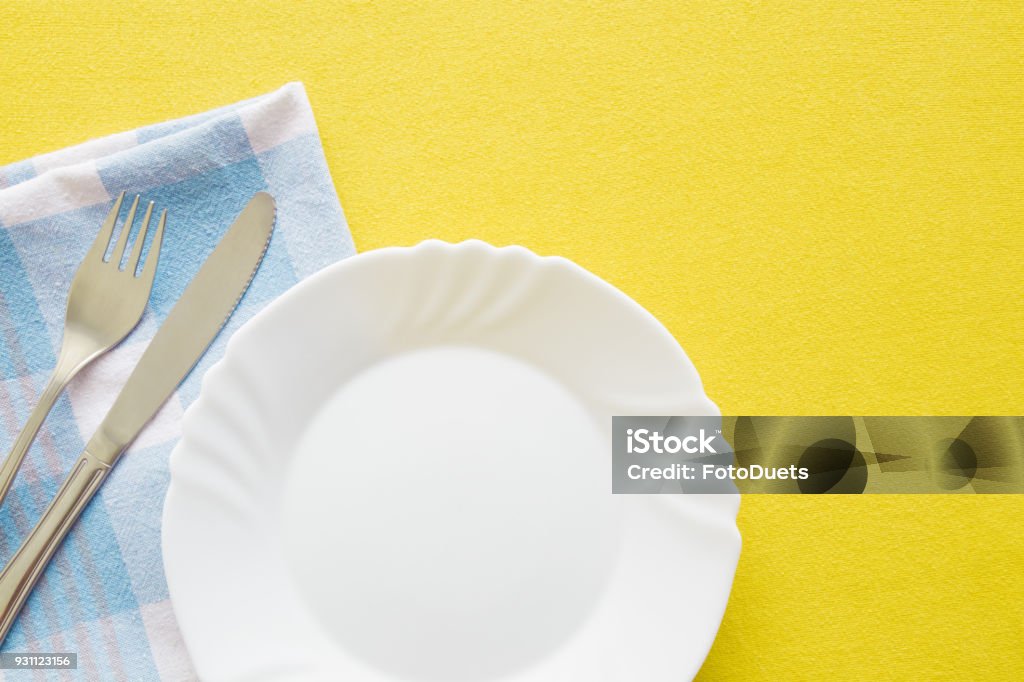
821	200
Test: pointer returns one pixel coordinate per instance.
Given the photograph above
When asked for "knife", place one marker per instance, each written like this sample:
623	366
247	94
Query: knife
190	327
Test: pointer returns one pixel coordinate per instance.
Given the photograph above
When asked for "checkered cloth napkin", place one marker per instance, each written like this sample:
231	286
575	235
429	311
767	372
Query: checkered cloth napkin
104	595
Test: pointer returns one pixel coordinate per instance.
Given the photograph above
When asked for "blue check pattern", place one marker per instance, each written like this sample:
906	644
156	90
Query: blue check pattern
104	596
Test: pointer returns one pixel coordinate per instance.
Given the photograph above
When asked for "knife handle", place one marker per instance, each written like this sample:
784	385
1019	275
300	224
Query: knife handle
23	570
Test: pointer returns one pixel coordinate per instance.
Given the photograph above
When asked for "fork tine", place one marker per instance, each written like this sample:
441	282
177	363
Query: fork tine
140	239
122	239
99	245
149	267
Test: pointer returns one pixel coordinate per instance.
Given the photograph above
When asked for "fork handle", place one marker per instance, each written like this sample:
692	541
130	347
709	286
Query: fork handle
9	470
23	570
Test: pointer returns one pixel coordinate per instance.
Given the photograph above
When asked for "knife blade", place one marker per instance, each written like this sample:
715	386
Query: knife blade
189	329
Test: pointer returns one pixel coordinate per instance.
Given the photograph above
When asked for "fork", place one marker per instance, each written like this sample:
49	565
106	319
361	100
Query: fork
104	304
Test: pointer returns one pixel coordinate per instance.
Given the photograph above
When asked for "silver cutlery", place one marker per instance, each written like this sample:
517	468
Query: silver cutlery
190	327
104	304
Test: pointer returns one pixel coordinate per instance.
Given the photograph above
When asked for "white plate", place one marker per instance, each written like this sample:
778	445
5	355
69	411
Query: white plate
401	471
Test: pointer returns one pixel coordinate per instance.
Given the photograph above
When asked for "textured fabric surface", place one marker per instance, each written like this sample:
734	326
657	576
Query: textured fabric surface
104	595
821	200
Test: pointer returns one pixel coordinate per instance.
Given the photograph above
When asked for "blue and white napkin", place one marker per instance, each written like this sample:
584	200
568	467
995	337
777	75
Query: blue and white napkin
104	595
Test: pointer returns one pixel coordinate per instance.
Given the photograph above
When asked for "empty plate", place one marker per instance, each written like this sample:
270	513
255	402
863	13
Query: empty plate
401	470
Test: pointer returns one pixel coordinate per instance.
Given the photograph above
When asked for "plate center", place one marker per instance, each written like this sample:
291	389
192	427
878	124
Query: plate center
448	515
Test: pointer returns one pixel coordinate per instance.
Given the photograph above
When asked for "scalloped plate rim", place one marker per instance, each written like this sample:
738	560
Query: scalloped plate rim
183	457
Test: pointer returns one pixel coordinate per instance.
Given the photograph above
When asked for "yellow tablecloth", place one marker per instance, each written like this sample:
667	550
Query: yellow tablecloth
821	200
